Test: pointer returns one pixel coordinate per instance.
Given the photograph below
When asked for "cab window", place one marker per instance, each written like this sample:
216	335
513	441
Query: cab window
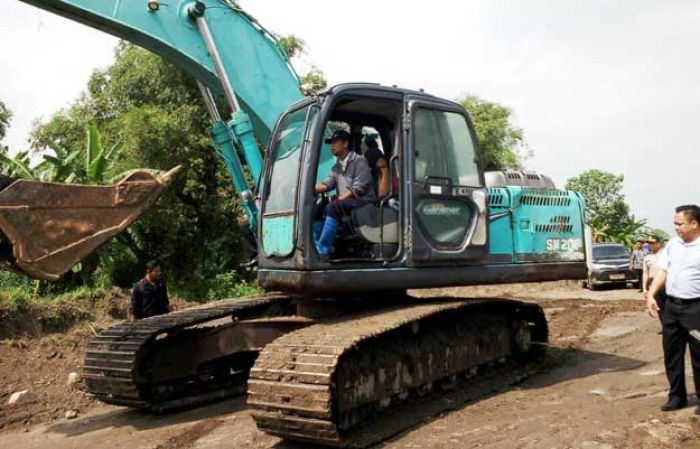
444	148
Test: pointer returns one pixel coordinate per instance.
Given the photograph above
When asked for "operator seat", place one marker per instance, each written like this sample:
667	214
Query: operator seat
376	223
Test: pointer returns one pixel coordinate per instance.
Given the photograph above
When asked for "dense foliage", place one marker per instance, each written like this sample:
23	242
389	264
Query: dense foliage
152	114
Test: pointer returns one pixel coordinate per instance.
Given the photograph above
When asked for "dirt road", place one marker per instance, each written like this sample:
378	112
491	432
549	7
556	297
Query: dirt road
600	388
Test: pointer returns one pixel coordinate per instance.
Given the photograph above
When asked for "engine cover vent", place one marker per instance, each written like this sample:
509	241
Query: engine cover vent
504	178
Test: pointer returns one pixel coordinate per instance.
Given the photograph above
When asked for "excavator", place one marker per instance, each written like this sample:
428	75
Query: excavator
337	343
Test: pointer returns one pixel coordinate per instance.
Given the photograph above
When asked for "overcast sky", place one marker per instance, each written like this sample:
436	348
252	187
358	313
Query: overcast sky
594	84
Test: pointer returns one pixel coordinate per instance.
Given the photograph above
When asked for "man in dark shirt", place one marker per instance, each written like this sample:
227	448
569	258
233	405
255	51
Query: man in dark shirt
149	296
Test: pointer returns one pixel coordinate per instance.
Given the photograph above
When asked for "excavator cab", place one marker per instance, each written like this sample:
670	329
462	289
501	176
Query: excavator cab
442	221
434	213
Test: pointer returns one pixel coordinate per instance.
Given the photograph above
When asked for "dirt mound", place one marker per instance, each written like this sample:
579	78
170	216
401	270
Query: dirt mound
41	366
573	321
21	318
41	343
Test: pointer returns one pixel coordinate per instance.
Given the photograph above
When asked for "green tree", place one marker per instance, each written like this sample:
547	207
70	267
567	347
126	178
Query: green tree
607	212
292	45
315	79
156	111
629	230
502	143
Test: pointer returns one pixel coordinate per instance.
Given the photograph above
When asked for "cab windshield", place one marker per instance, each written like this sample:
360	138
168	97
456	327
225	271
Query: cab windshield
287	148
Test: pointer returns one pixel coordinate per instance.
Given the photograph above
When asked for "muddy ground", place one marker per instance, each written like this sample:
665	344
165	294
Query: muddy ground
600	387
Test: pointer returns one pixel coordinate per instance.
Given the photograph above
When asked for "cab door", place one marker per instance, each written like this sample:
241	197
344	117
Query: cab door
446	214
278	227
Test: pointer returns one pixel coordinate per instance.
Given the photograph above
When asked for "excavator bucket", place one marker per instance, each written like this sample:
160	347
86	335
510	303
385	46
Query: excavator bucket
46	228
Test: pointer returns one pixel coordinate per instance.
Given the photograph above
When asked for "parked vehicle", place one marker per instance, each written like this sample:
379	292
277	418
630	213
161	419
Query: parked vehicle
610	265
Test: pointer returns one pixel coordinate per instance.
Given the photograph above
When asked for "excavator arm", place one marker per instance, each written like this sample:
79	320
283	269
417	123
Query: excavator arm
46	228
264	82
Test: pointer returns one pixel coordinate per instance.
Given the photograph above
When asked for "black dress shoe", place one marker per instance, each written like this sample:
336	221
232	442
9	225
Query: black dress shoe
674	404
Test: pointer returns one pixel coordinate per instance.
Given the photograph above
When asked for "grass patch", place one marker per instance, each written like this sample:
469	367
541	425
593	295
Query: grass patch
231	285
24	311
34	308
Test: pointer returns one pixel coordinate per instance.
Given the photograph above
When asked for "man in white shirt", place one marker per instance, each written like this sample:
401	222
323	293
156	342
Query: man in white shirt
679	272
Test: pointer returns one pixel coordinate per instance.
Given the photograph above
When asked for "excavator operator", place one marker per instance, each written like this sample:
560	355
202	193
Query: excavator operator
351	177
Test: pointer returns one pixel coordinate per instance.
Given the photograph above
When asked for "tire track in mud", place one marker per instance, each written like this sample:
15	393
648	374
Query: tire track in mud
186	439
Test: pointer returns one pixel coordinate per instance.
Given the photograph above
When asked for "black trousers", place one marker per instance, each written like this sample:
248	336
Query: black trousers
638	274
335	209
677	321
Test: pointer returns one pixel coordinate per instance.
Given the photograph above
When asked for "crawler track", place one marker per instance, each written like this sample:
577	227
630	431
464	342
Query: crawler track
324	383
186	357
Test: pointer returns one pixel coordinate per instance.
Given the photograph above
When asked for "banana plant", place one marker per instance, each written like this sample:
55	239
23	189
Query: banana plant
60	167
97	162
629	230
18	166
599	233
